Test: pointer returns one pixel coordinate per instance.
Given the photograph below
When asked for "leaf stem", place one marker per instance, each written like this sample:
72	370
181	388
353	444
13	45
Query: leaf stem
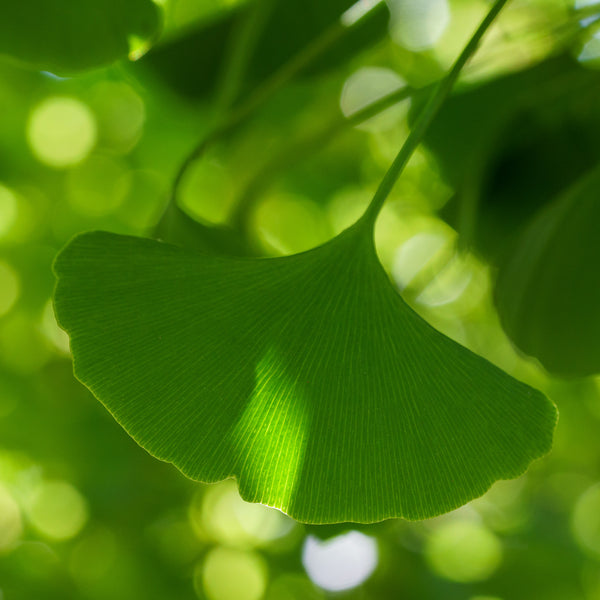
436	101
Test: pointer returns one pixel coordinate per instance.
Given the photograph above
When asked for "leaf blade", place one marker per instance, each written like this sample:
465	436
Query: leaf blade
305	377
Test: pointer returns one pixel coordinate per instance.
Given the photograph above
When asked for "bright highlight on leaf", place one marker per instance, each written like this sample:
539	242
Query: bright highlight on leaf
306	377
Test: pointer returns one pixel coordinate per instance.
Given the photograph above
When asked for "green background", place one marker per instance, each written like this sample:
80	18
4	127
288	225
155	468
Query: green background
88	143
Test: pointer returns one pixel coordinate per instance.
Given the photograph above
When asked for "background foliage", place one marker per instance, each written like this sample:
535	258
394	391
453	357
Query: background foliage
95	144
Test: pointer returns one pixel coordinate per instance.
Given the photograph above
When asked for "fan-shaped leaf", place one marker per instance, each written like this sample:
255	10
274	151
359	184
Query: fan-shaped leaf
548	292
66	36
306	377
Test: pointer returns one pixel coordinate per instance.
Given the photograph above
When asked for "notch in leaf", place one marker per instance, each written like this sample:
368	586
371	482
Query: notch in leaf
305	377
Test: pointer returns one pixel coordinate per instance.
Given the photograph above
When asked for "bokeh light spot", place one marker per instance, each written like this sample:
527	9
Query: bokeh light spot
8	210
61	131
580	4
368	85
287	223
463	551
357	11
138	46
229	574
98	187
52	331
342	562
585	520
503	507
121	114
590	53
57	510
415	254
292	586
21	213
221	514
418	24
449	284
346	207
11	525
172	536
208	192
9	287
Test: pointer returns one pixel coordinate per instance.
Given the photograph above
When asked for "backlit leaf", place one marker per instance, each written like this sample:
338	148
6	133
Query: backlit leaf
306	377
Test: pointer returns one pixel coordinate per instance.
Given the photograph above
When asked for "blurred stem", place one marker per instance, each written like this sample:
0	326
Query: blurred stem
262	93
431	109
469	201
244	39
259	96
308	146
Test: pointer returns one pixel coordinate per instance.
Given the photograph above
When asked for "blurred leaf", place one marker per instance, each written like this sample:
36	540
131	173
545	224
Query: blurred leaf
471	120
306	377
192	64
548	292
510	144
63	36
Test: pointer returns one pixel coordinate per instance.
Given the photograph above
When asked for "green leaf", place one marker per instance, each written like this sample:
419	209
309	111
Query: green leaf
64	36
192	63
306	377
509	145
548	291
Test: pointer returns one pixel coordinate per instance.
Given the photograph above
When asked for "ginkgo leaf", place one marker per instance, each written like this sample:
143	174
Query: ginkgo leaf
64	36
548	291
306	377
